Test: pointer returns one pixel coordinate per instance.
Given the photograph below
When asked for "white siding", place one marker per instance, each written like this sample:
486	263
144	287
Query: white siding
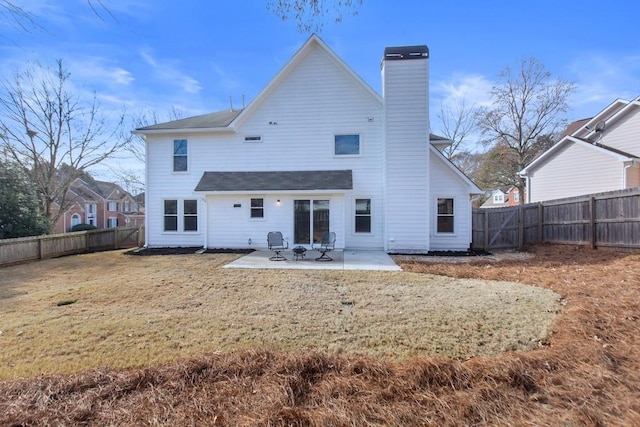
624	134
232	227
317	100
575	170
445	183
406	93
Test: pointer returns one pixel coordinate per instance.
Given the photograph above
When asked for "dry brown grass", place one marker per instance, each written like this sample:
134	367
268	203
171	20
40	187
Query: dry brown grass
136	311
588	375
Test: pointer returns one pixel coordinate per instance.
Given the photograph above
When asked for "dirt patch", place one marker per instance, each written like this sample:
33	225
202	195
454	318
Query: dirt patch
587	373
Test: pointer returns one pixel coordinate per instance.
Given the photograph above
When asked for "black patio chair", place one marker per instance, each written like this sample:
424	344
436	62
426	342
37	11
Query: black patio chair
327	244
277	244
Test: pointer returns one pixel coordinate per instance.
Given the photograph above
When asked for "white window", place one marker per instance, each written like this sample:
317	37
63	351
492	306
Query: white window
125	207
185	209
257	208
75	220
170	215
498	198
112	206
180	148
190	215
363	216
90	213
113	222
345	145
516	196
445	215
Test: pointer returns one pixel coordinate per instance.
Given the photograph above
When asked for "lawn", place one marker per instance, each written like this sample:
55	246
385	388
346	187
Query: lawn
121	311
585	372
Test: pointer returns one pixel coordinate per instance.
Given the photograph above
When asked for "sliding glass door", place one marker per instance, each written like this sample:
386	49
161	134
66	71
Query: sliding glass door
311	219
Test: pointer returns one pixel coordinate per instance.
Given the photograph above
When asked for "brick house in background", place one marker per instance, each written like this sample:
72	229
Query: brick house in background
99	203
498	198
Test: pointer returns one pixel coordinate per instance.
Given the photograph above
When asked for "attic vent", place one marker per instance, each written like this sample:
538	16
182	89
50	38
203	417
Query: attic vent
255	138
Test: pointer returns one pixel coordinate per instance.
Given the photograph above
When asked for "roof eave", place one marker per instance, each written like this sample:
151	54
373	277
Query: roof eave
228	129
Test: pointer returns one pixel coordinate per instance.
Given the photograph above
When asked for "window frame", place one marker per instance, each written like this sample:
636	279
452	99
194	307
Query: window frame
451	215
357	215
335	144
253	209
174	155
181	216
166	215
189	215
110	220
111	204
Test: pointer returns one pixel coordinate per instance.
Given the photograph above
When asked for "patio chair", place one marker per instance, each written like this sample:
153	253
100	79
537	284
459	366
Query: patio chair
277	244
327	244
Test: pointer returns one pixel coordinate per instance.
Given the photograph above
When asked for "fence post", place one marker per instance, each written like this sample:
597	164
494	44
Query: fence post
115	237
520	227
40	247
540	222
592	222
485	224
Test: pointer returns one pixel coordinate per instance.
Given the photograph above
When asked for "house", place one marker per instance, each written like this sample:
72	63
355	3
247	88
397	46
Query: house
593	155
499	199
99	203
318	149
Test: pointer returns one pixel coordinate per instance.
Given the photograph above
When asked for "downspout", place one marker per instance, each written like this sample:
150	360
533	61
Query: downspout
205	217
628	165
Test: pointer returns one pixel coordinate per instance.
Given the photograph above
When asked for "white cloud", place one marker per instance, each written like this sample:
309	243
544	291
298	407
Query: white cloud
601	79
473	88
168	73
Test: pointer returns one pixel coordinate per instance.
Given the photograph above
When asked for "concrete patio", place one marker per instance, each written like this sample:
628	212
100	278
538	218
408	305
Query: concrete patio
342	260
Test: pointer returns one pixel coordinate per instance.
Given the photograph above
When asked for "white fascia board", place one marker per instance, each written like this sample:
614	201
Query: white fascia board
607	114
290	66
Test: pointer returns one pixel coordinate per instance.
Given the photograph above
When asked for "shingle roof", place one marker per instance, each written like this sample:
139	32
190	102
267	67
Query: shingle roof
276	181
219	119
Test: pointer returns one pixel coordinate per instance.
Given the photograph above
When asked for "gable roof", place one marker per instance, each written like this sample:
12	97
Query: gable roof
313	42
581	131
598	148
218	119
276	181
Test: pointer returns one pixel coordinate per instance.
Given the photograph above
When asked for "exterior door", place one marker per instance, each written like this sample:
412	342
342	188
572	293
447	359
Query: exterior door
311	219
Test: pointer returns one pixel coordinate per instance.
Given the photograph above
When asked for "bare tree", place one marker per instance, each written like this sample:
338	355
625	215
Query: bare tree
456	124
527	104
19	17
311	14
52	134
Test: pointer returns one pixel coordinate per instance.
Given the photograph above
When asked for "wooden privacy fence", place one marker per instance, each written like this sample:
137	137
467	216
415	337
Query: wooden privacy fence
609	219
13	251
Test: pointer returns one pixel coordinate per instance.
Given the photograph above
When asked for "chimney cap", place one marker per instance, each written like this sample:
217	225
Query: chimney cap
406	52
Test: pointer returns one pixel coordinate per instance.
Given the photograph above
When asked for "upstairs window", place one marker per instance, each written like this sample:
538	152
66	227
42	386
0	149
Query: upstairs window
346	145
180	155
363	215
445	215
112	206
257	208
498	198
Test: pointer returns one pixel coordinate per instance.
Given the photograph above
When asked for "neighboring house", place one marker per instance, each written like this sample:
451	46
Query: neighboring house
317	150
99	203
499	199
593	155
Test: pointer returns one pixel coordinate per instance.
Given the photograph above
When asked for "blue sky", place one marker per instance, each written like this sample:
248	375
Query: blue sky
156	55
